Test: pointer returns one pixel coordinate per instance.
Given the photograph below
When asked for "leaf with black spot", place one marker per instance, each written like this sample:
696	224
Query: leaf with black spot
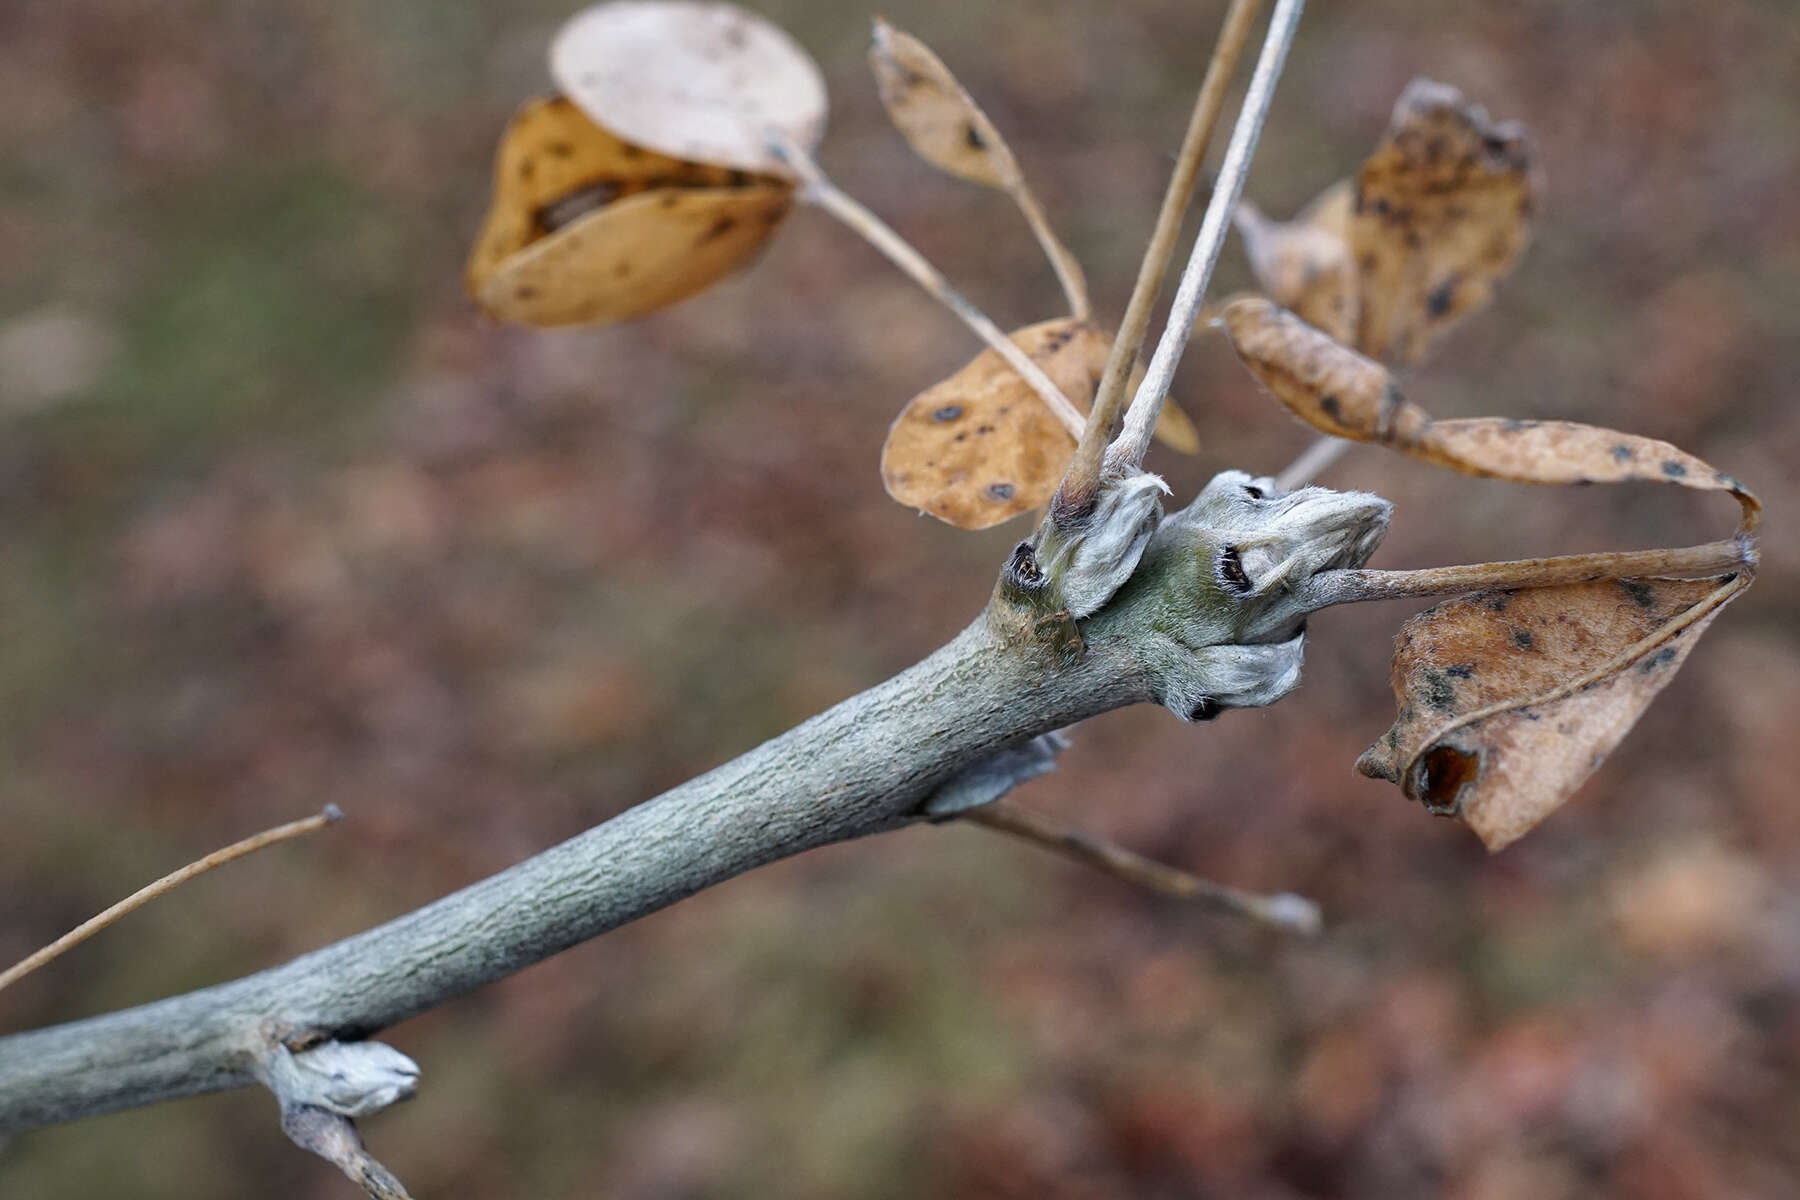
1510	700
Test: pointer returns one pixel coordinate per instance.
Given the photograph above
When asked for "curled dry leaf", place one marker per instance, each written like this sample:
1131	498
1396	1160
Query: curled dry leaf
1305	264
1510	699
933	112
1432	222
1340	392
585	227
1442	211
980	447
706	82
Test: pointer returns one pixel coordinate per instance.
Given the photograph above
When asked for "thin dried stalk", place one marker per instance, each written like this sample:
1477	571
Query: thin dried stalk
1083	474
1311	463
1329	588
167	883
1068	270
820	191
1284	911
1134	439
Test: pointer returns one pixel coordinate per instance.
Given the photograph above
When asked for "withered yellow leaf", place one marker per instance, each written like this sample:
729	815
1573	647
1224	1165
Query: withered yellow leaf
1339	391
704	82
1305	264
585	227
1442	210
636	255
933	112
1510	699
980	447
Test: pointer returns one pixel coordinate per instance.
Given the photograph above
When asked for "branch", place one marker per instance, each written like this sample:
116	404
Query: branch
1134	439
866	766
1284	911
1083	476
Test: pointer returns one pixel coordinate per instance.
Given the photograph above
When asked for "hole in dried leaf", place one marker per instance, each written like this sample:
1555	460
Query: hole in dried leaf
1440	776
947	413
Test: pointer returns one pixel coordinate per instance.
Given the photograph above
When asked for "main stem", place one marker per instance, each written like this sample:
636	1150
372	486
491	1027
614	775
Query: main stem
863	767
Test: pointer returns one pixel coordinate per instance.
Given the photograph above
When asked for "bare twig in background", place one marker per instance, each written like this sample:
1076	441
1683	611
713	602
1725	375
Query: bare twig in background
821	191
1140	419
1084	470
169	882
1311	462
1284	911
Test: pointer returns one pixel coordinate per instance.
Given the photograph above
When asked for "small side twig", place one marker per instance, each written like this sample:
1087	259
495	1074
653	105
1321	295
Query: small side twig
1284	911
169	882
1083	475
334	1139
1140	419
819	190
1328	588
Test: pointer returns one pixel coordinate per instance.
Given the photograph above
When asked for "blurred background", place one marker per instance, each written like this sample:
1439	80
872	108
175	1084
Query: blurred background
283	521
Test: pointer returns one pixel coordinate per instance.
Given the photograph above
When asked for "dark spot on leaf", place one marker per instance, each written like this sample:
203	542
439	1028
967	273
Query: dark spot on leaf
1328	404
1673	469
1438	302
671	199
1461	671
973	136
525	292
961	437
1660	659
621	269
1523	640
1441	774
1514	425
1640	592
627	150
527	169
948	413
1000	491
984	429
1623	453
1498	601
718	229
1440	693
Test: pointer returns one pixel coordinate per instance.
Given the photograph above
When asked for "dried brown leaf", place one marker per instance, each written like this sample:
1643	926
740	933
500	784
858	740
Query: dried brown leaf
709	83
1339	391
939	120
1510	699
1305	264
1442	211
980	448
585	227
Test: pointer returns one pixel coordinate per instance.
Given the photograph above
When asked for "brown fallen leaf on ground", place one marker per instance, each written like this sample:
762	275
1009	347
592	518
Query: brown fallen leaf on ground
980	448
585	227
1510	699
1305	264
1339	391
705	82
1432	222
